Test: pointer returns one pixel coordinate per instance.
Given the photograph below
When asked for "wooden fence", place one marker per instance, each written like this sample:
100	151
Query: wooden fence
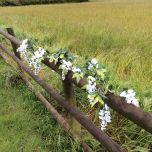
135	114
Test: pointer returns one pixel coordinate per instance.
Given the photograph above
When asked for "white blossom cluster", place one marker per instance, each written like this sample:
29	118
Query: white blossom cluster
104	116
93	63
76	70
91	87
130	98
22	49
36	57
65	66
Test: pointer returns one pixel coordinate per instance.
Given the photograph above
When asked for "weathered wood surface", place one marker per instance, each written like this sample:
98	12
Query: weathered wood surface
70	96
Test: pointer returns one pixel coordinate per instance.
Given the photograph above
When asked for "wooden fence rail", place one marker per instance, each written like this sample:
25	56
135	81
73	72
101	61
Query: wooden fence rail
58	117
135	114
96	132
103	138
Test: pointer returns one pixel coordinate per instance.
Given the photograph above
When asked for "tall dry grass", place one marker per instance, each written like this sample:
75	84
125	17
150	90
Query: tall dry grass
117	34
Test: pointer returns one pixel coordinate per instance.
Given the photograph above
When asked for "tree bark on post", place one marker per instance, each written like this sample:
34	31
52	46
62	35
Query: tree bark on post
14	45
70	96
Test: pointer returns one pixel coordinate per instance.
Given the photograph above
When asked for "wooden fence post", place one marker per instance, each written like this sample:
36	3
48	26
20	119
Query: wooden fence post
14	46
70	96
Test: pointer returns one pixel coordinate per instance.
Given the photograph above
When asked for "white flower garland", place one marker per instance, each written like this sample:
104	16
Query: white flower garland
34	60
104	114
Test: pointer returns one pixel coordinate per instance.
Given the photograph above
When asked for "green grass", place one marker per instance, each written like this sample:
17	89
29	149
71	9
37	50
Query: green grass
25	125
118	34
16	122
111	32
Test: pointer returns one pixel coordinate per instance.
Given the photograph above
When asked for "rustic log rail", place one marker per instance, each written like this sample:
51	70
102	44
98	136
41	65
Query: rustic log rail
135	114
68	127
58	117
104	139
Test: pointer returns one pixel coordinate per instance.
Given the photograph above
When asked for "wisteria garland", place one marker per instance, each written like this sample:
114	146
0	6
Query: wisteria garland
104	114
96	75
33	58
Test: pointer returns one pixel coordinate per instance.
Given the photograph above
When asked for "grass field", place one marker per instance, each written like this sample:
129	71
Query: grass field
118	34
16	122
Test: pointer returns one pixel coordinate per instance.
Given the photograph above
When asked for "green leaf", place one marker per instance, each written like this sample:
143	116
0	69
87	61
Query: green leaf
92	96
84	87
55	61
78	79
61	56
74	75
101	101
101	73
97	99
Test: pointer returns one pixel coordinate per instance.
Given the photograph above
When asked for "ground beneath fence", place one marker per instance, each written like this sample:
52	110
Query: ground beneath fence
25	125
17	126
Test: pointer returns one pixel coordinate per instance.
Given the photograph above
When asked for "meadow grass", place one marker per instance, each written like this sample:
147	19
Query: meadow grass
16	122
25	125
118	34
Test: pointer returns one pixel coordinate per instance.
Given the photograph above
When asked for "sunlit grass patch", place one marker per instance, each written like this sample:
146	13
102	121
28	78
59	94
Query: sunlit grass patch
118	34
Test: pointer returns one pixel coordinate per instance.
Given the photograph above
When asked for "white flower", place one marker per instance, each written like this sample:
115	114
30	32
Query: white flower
34	60
130	91
90	66
91	86
97	66
92	79
39	53
25	41
65	66
105	117
130	97
63	76
67	63
23	46
135	102
123	94
94	61
74	69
